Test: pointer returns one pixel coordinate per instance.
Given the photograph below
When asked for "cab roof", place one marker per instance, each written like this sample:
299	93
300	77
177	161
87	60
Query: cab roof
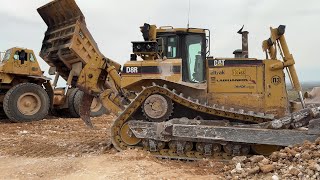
164	29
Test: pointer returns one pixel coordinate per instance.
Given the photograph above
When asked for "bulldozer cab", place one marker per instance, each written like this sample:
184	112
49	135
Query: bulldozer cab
21	62
188	44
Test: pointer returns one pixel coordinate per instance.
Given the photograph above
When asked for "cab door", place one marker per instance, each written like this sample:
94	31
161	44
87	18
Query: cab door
21	63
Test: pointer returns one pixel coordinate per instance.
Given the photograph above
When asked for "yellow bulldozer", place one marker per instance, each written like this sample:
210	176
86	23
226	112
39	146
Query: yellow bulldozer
177	101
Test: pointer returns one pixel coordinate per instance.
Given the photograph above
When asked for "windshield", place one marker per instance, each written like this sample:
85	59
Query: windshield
6	55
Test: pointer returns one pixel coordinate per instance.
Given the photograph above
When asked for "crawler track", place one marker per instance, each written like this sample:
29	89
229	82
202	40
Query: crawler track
190	150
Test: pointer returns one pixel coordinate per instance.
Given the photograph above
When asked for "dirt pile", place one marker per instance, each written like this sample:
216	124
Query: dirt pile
296	162
67	149
55	137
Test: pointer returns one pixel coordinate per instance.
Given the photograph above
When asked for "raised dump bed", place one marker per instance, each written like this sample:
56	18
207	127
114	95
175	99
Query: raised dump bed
67	44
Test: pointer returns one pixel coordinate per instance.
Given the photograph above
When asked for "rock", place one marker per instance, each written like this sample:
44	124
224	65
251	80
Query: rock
314	166
243	175
306	144
314	177
275	177
317	142
274	156
310	172
238	159
254	170
316	154
306	155
267	168
283	155
238	167
265	161
292	152
298	155
294	171
233	171
256	158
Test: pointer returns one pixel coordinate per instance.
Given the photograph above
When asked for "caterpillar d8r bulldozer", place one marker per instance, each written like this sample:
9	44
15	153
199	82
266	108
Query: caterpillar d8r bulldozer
176	101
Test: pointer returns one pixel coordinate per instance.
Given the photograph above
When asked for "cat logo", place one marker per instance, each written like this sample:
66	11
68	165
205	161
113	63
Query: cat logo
276	80
218	62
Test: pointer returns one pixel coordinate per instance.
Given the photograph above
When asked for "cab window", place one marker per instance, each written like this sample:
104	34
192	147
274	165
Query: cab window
16	55
21	55
7	55
172	47
195	60
31	57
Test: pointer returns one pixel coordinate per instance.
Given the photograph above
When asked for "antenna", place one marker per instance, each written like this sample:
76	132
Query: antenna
188	25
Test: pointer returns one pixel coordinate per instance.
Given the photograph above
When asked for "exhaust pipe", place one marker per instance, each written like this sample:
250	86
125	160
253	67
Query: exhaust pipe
245	45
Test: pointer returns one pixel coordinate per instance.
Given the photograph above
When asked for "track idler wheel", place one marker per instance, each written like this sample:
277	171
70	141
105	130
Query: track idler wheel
157	108
127	136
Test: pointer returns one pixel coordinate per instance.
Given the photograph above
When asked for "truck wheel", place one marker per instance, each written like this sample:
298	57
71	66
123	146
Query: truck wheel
26	102
96	108
74	112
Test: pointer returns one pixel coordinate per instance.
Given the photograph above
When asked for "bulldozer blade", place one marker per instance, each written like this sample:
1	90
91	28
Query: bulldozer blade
85	109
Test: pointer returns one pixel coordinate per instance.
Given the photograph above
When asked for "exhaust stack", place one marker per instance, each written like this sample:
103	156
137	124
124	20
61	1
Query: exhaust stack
245	46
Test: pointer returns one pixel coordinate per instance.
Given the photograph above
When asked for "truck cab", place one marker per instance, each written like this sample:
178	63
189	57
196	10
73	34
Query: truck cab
20	61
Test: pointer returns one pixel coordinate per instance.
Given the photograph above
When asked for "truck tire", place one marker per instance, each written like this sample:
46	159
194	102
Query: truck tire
26	102
74	113
97	108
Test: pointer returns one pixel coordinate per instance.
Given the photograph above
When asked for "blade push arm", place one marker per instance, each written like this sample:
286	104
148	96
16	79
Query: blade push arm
277	38
100	78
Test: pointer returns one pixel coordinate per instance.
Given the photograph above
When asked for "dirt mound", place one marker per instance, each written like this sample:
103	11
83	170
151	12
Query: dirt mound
67	149
75	151
297	162
59	137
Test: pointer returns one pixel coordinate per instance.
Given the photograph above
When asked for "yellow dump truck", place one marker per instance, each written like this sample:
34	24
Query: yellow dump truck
27	95
25	92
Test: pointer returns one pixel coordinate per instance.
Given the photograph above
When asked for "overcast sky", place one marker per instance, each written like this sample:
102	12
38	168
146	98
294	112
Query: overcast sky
115	23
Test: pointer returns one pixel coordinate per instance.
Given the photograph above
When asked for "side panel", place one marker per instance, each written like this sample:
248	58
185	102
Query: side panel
135	71
247	84
276	100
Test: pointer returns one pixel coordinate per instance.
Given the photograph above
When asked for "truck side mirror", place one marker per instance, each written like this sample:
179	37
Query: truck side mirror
52	70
